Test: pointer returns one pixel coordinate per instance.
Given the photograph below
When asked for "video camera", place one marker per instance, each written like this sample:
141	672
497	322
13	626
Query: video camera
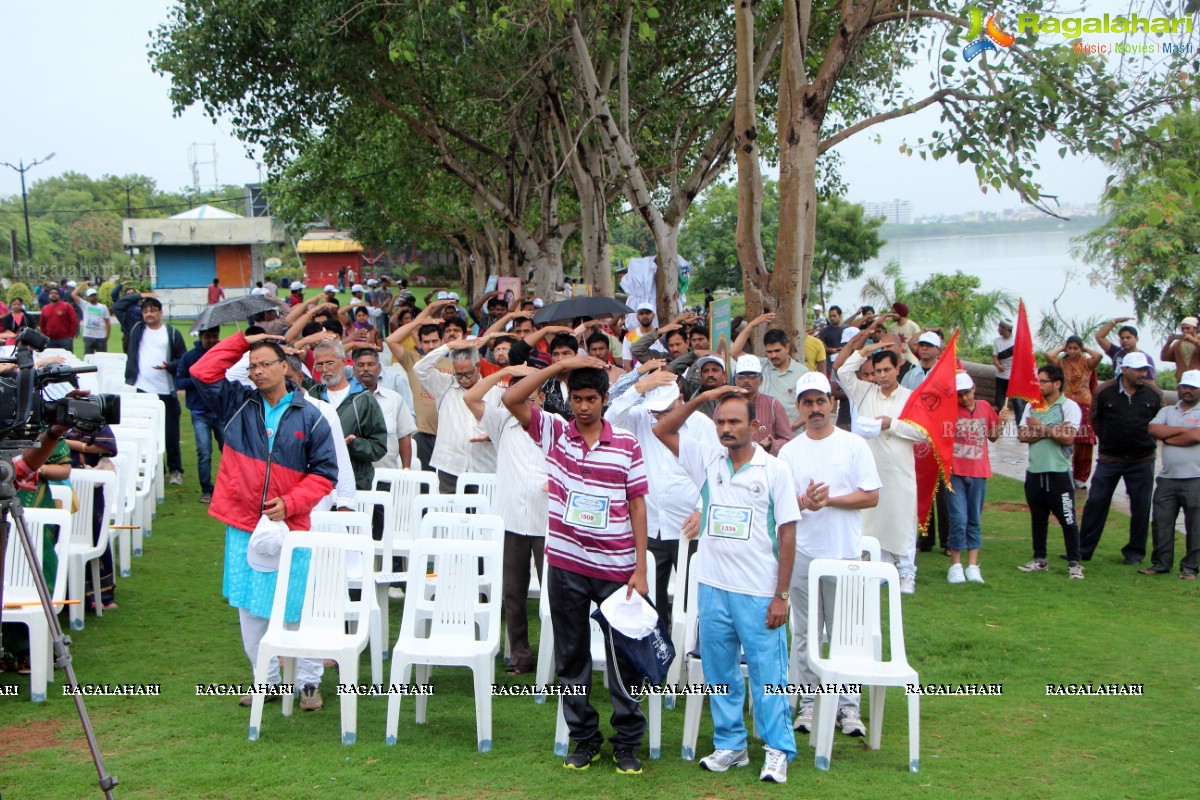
24	411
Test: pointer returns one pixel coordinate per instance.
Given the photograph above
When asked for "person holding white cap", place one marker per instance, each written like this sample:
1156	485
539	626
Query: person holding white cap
977	425
95	320
1122	410
929	349
1183	348
894	521
645	319
673	498
835	479
1178	428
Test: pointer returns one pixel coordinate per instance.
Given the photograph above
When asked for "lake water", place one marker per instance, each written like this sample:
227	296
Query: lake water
1036	266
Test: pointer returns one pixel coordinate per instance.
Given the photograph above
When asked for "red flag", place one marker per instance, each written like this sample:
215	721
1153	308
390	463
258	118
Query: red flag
933	409
1023	381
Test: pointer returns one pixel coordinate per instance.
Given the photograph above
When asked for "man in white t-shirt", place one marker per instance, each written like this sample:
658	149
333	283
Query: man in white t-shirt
1002	358
94	319
154	352
744	568
835	478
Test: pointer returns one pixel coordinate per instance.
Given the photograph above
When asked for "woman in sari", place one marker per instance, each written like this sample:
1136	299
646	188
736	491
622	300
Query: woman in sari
1079	368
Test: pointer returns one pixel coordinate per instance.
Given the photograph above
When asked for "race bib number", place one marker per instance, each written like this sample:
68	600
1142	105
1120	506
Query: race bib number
587	511
730	522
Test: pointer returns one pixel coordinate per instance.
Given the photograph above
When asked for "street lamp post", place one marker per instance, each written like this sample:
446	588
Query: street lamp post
23	168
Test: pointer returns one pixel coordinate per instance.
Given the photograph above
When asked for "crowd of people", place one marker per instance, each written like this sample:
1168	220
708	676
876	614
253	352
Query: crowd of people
762	459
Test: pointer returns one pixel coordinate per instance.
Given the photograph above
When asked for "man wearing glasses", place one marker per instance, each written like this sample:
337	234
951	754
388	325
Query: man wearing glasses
278	462
462	446
362	419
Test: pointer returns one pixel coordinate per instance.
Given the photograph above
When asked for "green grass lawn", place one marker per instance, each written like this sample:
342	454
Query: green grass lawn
1024	631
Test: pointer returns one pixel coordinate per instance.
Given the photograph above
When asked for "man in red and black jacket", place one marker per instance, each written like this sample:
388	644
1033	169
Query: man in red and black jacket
278	462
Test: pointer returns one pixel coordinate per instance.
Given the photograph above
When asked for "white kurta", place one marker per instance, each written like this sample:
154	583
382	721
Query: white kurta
893	522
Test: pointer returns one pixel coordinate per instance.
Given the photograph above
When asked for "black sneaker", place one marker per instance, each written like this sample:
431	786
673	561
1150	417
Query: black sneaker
627	763
585	753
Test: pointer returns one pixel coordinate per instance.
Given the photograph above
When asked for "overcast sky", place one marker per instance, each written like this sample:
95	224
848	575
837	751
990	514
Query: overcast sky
79	85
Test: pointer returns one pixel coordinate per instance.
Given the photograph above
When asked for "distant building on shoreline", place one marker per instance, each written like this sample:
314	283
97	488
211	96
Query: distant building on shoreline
896	212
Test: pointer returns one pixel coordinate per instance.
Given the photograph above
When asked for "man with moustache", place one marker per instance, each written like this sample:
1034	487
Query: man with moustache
363	425
834	476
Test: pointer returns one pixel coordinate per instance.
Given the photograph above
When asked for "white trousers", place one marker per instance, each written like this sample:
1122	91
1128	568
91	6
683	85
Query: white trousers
308	670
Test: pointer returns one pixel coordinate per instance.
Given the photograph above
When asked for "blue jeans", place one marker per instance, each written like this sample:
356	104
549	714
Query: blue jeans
205	429
966	510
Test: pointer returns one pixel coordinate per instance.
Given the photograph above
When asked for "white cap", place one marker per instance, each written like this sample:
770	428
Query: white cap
258	291
1135	360
372	282
929	337
71	284
646	307
1190	321
537	302
91	292
817	308
358	287
813	382
660	398
849	334
747	363
329	287
297	286
452	295
963	382
443	296
700	362
1190	378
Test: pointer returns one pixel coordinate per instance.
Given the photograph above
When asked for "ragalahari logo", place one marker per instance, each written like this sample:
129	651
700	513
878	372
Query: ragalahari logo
984	37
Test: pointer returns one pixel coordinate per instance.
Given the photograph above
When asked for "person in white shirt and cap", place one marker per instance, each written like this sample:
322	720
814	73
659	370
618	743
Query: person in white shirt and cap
929	349
835	479
673	499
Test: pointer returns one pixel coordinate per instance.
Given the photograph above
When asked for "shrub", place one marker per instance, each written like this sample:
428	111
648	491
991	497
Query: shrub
104	291
22	291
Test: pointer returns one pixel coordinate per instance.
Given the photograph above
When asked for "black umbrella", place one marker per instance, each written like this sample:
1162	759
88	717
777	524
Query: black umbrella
235	309
581	307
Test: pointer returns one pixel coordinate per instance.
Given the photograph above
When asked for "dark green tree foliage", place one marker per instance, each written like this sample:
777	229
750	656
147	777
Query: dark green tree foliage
1149	249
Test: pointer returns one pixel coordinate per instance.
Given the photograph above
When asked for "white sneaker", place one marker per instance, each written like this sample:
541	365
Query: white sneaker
1075	572
396	593
175	479
722	760
851	722
775	767
973	574
908	584
955	575
804	720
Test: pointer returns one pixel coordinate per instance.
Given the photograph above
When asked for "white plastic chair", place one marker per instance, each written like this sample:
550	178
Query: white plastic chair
19	587
473	527
451	503
148	459
86	546
405	486
321	632
679	616
852	657
483	483
121	524
357	523
454	627
562	736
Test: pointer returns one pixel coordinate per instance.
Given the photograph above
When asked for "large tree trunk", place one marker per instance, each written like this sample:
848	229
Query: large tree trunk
750	185
666	277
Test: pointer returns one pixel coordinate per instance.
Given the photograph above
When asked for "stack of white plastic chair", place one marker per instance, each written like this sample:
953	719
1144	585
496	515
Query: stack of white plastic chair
451	624
853	651
147	410
322	630
358	523
483	483
600	662
140	444
22	603
110	372
121	525
87	544
404	486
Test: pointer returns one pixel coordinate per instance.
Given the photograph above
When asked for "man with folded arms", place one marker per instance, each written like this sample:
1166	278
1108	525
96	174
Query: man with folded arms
1178	428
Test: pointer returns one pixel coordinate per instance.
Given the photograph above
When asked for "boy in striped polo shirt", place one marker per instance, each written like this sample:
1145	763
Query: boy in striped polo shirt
596	543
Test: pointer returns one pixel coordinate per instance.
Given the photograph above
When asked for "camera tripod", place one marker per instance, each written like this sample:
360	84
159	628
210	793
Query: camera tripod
10	508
